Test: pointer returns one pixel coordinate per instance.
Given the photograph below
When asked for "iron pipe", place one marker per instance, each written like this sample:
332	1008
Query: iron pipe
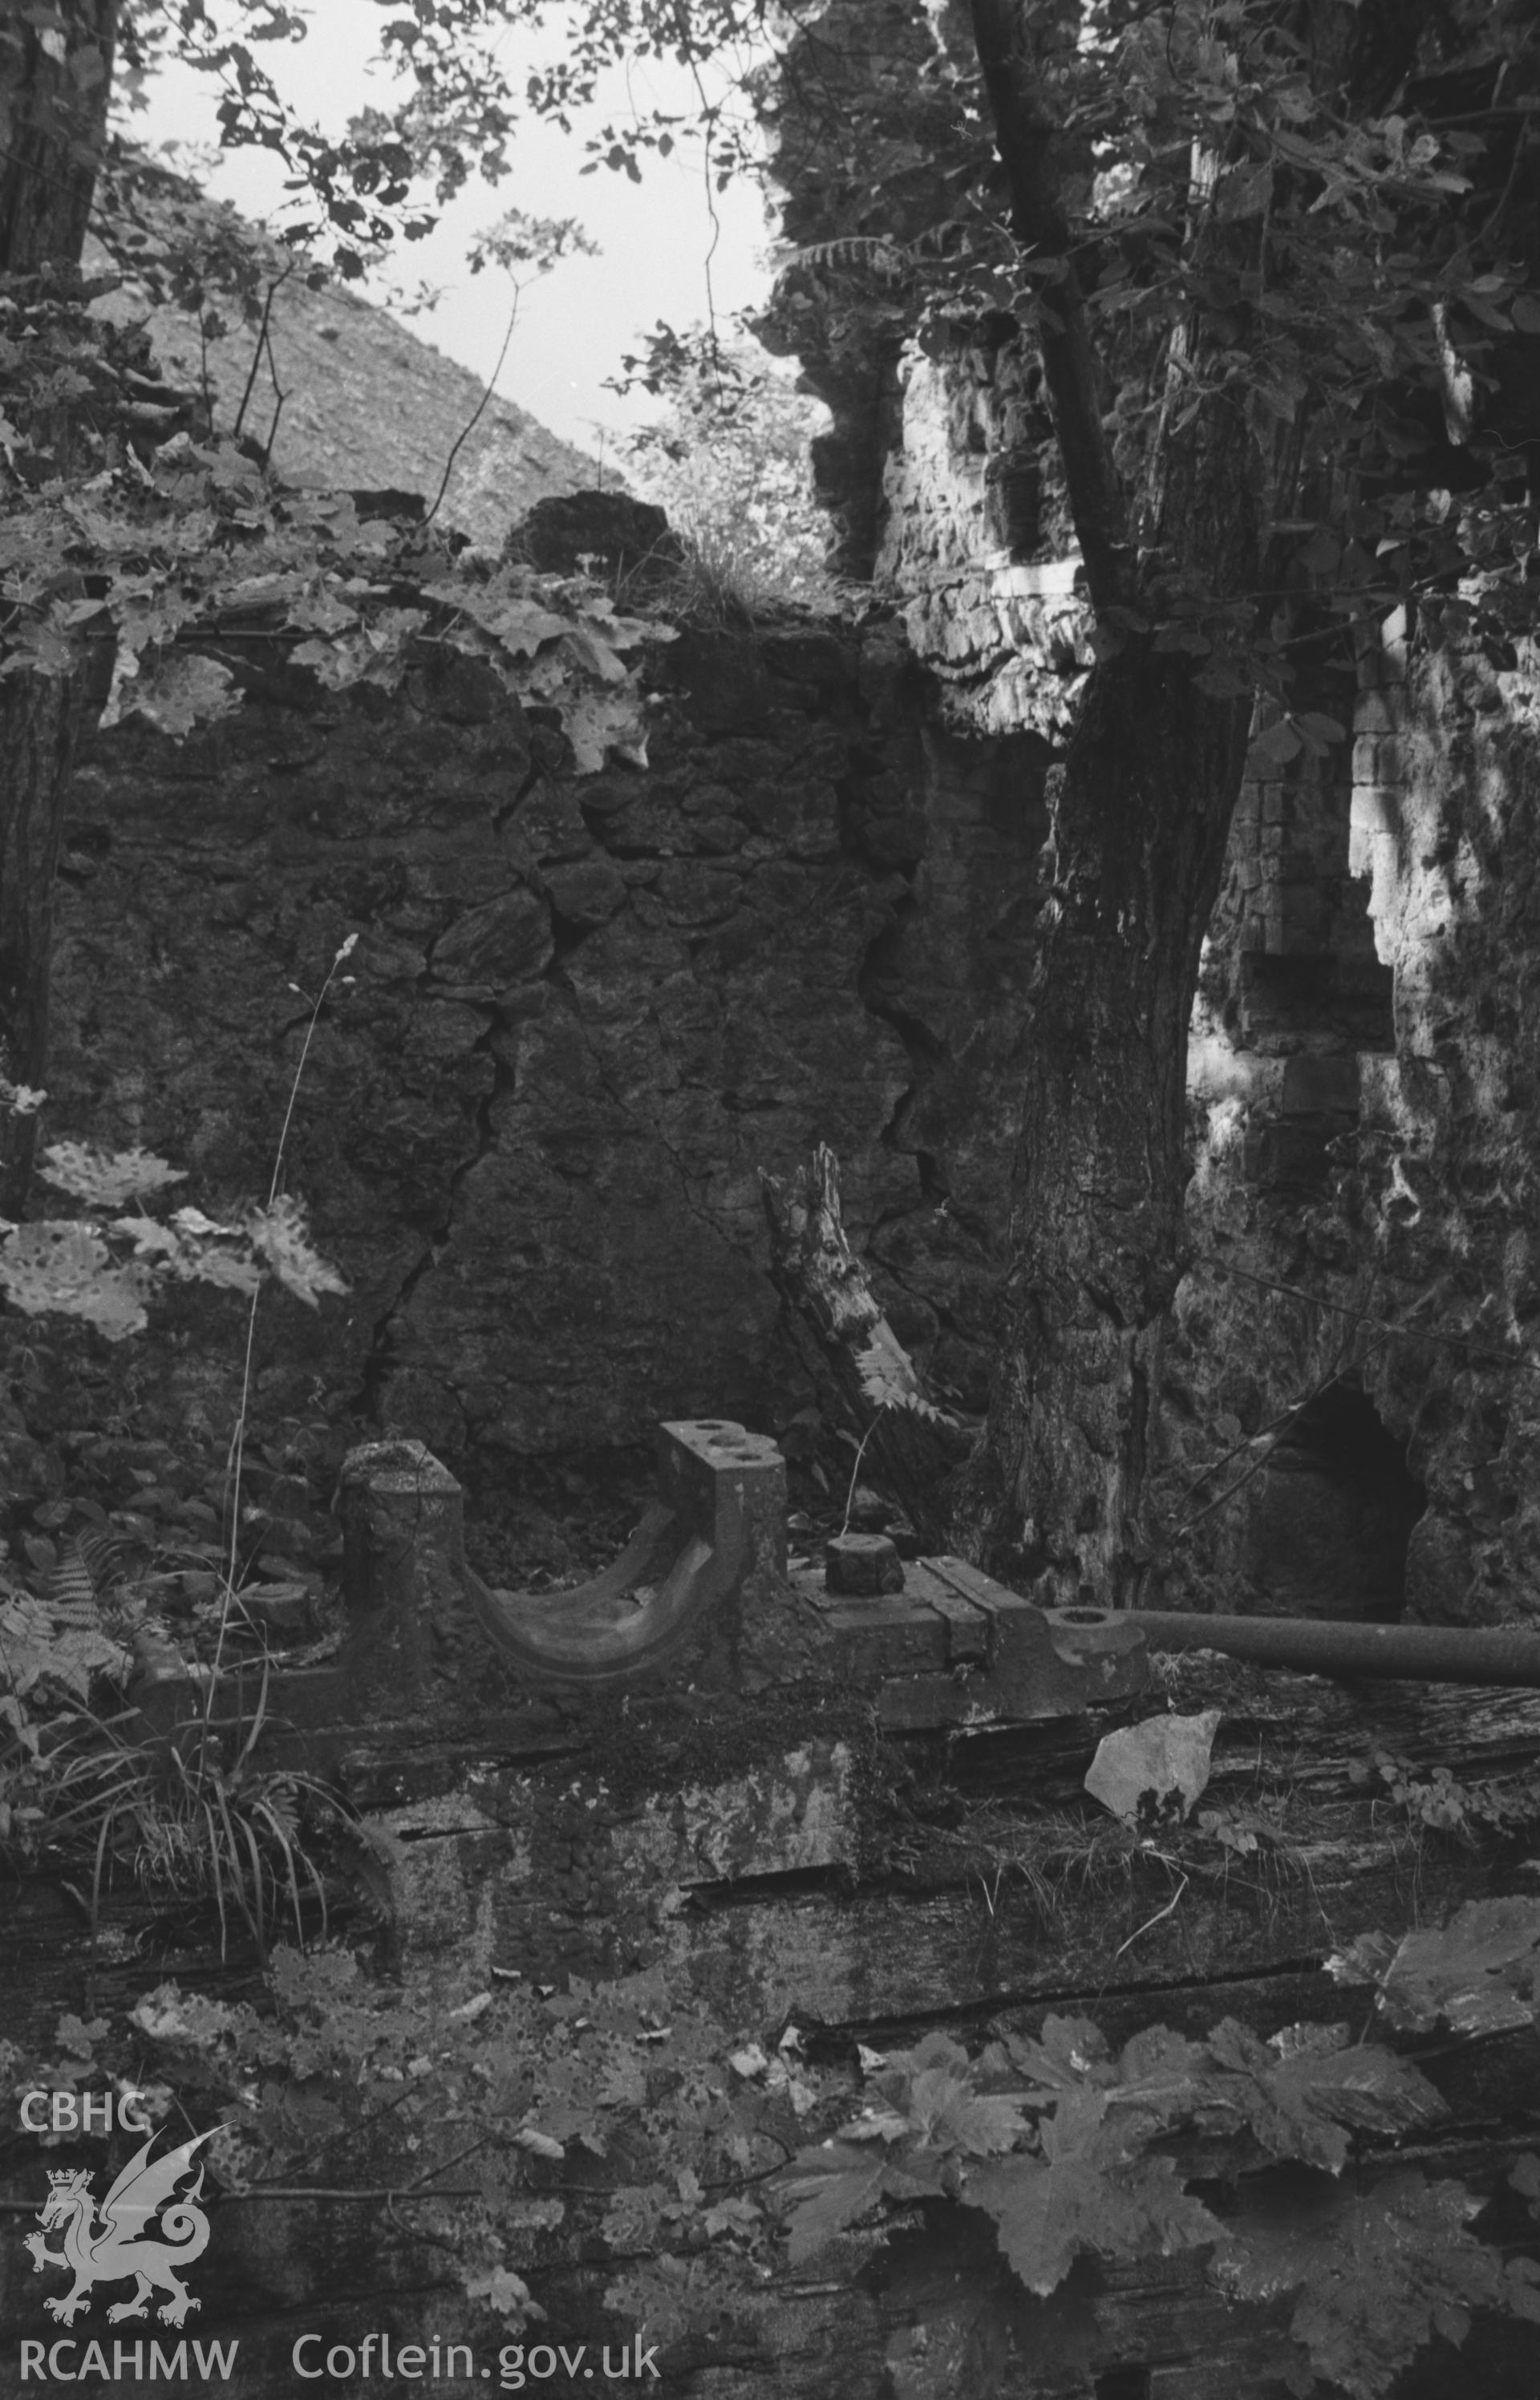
1324	1646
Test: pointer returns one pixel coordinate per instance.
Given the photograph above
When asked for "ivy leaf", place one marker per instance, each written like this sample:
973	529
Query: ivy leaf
1376	2272
513	618
106	1179
946	2114
56	1265
1072	2049
1160	2074
189	1249
506	2292
734	2215
596	722
1299	2092
1245	191
1085	2192
835	2184
876	2125
619	2075
634	2213
936	2049
179	692
278	1235
1365	1959
1521	2289
354	658
1272	749
1479	1974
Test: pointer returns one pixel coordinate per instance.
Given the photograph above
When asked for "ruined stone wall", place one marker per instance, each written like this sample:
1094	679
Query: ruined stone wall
1363	1110
1365	1132
940	471
1365	1113
582	1015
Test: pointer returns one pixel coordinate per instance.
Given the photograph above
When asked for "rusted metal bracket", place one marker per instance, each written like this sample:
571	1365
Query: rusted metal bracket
934	1642
704	1573
950	1647
713	1542
717	1530
954	1647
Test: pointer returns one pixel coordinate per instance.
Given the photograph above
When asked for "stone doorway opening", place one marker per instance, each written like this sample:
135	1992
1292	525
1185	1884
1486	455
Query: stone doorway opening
1333	1514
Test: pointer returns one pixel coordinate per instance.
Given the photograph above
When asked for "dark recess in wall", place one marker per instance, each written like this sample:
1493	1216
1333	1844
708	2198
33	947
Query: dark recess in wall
1334	1513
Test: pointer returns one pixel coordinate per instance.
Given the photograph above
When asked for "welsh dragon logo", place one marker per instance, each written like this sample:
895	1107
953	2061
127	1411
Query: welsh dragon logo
121	2245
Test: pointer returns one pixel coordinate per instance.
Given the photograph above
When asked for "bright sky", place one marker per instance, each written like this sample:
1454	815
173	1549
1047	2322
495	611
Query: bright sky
574	324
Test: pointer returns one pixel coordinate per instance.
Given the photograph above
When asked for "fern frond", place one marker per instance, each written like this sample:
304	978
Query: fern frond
872	250
946	240
72	1591
106	1557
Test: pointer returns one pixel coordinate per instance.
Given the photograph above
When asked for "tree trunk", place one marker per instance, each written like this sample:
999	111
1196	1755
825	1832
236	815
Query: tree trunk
42	719
1052	1498
55	77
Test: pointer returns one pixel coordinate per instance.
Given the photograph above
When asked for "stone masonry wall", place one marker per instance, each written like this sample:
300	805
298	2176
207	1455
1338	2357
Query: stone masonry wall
1363	1115
582	1015
1367	1132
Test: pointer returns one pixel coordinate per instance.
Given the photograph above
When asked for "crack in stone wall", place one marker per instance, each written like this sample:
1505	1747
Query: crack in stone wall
584	1013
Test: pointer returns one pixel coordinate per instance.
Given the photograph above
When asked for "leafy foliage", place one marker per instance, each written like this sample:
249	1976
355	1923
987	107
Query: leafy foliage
624	2117
525	2103
1442	1803
40	1645
1242	221
1090	2188
1246	239
729	460
1071	2151
1377	2273
193	1819
191	549
105	1269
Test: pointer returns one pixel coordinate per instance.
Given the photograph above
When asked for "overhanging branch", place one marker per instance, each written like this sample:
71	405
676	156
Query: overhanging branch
1024	133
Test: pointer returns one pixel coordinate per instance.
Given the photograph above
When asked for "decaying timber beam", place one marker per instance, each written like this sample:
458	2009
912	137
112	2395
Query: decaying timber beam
864	1378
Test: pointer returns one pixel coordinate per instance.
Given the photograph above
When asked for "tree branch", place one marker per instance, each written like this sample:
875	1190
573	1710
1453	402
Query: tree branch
1025	131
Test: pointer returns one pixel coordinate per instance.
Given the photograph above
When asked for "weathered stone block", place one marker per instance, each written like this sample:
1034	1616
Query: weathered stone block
1379	711
550	823
588	894
689	893
1376	808
1439	1568
1315	1085
1382	758
503	941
